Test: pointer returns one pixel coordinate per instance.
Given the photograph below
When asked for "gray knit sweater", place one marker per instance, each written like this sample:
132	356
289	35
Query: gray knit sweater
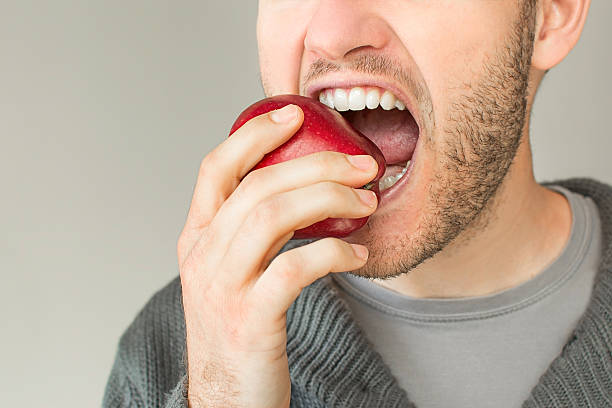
333	365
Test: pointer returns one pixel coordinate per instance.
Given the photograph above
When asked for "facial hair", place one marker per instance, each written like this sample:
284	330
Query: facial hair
482	133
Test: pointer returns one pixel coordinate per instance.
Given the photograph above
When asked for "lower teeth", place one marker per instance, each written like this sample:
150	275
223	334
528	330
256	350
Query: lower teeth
389	181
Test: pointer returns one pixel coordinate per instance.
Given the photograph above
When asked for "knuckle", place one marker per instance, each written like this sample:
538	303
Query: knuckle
266	212
180	242
218	156
187	269
287	268
264	120
208	162
180	249
251	182
186	239
194	260
335	247
326	161
332	191
254	125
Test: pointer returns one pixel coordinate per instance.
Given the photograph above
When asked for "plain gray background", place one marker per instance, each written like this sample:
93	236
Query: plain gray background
106	109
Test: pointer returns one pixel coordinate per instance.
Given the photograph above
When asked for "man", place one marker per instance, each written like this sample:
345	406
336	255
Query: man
486	288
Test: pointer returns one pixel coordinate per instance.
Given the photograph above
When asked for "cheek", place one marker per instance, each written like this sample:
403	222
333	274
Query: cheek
280	34
450	40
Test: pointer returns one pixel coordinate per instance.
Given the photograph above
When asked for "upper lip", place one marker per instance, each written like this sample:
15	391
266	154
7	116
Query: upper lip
350	81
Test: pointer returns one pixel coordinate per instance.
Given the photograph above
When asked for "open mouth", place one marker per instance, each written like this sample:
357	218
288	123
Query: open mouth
384	119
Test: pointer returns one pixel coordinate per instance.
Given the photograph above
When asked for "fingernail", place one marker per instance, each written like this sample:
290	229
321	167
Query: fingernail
284	115
368	197
362	162
360	251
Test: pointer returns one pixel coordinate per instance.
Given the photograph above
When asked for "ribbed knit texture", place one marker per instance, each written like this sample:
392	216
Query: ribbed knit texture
582	375
331	363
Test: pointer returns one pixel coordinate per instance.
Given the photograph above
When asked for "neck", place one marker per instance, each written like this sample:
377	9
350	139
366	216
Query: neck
524	227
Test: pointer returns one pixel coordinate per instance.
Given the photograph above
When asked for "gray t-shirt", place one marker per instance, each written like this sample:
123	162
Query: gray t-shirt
486	351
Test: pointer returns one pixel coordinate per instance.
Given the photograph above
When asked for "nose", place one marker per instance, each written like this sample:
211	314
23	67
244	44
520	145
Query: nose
339	27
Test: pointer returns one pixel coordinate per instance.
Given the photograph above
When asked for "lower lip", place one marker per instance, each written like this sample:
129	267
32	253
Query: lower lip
393	191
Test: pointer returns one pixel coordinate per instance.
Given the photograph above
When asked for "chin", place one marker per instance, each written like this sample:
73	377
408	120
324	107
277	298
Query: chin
393	234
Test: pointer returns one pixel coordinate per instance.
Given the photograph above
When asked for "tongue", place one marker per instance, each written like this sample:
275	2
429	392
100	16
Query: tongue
394	132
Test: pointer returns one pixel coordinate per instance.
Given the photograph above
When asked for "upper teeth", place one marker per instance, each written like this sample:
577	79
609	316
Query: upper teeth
359	98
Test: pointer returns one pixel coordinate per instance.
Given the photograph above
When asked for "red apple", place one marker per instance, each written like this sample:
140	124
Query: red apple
323	129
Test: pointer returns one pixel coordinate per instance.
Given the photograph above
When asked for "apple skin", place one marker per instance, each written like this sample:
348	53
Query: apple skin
324	129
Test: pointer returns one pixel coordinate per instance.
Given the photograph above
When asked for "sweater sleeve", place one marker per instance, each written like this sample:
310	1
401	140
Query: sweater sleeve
178	396
121	391
149	368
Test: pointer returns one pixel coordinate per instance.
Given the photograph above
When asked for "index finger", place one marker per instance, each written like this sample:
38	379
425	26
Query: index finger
223	168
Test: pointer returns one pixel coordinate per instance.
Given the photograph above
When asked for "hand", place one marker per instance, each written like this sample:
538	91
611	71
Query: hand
235	292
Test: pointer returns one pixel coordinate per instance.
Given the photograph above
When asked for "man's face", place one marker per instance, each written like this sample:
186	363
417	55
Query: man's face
460	67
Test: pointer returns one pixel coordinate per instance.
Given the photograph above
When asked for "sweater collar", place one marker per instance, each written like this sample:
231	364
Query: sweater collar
331	359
